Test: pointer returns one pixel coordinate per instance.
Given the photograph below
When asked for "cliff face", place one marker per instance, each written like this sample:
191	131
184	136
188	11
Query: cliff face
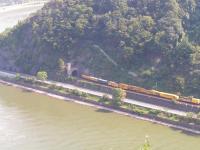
158	41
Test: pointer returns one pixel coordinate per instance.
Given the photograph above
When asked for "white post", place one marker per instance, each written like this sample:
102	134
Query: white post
69	69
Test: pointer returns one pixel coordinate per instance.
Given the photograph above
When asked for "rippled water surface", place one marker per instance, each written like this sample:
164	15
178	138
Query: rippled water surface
30	121
10	15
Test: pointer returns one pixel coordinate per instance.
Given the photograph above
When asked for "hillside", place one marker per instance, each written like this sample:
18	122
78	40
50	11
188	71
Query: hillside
158	41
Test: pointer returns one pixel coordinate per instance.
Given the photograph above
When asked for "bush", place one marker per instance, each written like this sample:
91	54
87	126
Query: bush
53	86
118	95
154	112
76	92
84	94
42	75
70	79
17	77
104	98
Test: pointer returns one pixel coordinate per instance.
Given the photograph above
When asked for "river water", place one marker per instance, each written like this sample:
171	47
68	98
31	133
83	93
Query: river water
10	15
29	121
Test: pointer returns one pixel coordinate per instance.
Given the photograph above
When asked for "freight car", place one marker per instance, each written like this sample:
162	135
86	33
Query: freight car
113	84
90	78
97	80
123	86
138	89
195	101
141	90
190	100
166	95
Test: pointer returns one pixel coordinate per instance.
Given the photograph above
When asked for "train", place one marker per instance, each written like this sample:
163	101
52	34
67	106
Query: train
133	88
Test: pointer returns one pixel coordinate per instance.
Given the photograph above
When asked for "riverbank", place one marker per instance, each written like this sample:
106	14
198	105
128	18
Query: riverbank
97	105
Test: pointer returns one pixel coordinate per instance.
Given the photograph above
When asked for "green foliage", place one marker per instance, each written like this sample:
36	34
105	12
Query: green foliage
104	98
61	65
146	145
42	75
76	92
159	40
118	95
17	77
79	93
180	83
190	115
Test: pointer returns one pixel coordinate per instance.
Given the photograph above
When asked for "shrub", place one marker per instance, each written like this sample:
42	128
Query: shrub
42	75
104	98
17	77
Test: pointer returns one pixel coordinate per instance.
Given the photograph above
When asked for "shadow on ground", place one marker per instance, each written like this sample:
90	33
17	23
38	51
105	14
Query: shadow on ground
185	132
103	111
27	91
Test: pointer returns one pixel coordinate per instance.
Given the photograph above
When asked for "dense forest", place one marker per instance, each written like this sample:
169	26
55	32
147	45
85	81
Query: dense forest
152	43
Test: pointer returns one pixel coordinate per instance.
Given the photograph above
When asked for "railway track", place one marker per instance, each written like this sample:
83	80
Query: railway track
98	93
138	99
153	100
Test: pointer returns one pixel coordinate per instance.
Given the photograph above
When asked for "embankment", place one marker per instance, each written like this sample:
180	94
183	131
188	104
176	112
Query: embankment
84	101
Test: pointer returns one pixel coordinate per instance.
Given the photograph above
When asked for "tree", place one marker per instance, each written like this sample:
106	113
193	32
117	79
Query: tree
61	65
146	145
17	77
128	51
118	95
42	75
180	83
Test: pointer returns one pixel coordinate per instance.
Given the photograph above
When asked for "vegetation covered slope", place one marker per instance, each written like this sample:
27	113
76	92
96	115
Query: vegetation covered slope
157	40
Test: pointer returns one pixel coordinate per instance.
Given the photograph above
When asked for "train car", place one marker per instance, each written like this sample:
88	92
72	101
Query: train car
90	78
168	95
134	88
154	93
185	99
97	80
123	86
102	81
190	100
113	84
147	92
138	89
195	101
